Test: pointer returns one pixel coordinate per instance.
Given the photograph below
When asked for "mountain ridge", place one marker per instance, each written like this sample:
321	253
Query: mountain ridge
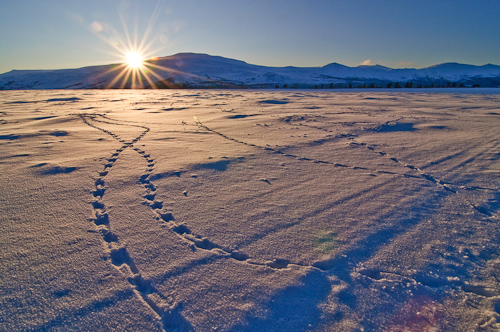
200	70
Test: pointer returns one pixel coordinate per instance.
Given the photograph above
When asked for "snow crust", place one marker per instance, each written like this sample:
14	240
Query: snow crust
236	210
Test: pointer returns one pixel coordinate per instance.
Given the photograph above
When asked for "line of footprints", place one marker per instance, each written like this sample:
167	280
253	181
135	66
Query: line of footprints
182	230
164	307
167	310
445	186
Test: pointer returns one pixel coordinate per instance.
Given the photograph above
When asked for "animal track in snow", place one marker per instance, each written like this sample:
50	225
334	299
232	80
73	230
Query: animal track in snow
120	258
180	229
430	282
169	314
265	148
445	186
429	177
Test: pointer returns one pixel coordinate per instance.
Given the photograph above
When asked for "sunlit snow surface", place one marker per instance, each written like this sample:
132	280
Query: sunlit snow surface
214	210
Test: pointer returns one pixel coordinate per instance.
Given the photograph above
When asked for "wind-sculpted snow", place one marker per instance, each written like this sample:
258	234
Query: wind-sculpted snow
235	211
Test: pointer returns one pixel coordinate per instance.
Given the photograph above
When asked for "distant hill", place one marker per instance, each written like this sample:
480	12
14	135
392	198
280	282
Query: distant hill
191	70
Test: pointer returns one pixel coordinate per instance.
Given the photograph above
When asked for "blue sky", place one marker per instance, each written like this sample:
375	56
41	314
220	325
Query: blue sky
53	34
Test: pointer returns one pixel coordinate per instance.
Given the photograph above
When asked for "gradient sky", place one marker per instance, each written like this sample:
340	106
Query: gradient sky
53	34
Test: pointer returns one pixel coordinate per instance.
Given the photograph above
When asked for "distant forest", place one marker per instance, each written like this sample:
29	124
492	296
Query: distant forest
347	84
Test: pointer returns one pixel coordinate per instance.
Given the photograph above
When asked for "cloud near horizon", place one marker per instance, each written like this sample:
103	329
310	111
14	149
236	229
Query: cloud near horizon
390	64
367	62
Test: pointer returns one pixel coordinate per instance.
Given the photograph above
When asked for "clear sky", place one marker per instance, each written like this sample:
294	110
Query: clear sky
51	34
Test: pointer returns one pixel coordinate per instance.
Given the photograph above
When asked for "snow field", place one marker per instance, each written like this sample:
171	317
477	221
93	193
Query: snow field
234	210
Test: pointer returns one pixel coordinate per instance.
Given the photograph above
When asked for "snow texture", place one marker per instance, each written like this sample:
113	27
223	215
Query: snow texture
232	210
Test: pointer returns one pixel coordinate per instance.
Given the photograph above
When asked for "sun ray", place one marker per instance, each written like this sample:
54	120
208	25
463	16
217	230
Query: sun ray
138	80
125	29
149	80
141	82
136	76
138	68
152	21
117	78
158	77
125	78
135	71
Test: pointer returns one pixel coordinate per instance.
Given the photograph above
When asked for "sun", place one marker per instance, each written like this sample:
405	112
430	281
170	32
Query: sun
133	60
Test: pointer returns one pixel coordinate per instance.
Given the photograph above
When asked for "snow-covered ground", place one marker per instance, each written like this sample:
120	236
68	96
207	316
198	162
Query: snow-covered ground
217	210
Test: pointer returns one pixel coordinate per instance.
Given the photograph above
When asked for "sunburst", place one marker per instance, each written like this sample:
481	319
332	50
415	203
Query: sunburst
134	60
136	72
138	67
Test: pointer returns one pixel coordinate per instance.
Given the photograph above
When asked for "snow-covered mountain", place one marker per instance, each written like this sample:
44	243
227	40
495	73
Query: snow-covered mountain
203	70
